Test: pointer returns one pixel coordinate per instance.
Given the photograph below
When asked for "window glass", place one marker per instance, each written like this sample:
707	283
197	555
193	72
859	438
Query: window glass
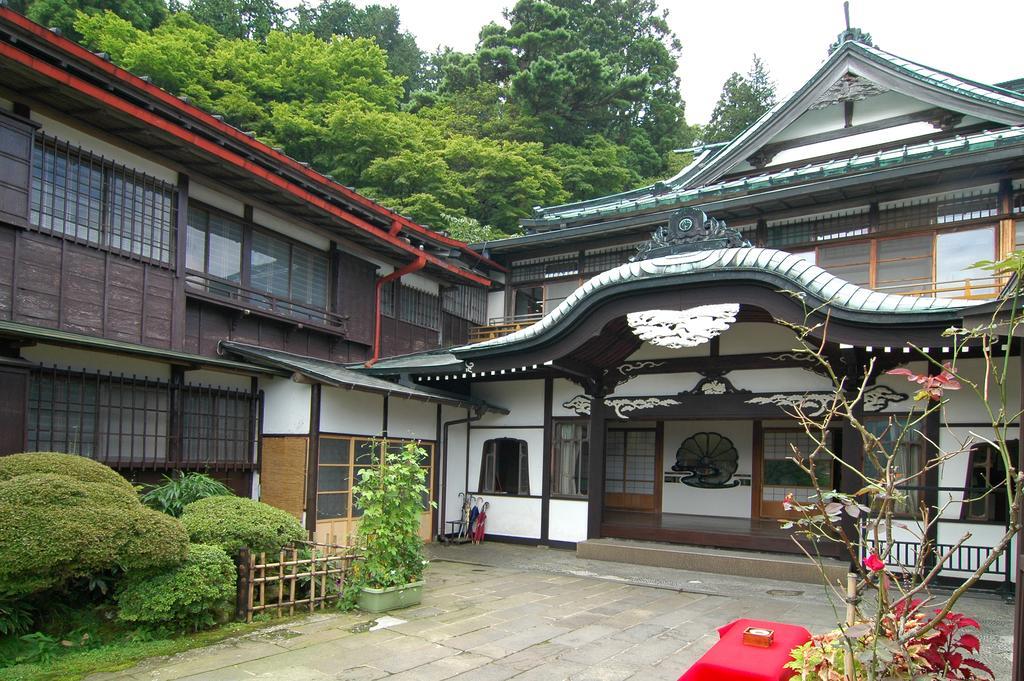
985	493
504	467
309	278
955	252
225	248
528	301
571	453
908	457
851	262
195	243
269	265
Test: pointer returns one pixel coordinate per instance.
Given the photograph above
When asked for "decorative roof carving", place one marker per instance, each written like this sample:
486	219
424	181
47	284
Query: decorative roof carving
849	88
689	229
682	328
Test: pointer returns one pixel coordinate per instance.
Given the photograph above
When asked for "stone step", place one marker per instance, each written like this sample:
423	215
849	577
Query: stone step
717	561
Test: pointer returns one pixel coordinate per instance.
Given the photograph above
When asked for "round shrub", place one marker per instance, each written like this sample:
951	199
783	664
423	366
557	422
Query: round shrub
70	465
194	595
55	528
159	541
235	522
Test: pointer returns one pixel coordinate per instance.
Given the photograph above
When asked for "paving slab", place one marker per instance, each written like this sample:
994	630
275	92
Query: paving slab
495	612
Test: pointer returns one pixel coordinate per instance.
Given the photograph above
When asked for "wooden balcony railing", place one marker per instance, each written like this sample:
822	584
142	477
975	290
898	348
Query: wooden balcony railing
496	327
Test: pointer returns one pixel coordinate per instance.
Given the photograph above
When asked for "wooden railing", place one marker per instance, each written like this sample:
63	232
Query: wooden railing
496	327
979	288
307	576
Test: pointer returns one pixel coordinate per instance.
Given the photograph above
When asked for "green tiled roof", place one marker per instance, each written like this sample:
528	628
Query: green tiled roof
797	274
650	198
332	373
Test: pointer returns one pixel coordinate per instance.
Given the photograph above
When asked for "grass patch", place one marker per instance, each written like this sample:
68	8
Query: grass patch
115	656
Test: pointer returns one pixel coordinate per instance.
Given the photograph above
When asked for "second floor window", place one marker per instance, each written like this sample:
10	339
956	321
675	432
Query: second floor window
88	199
282	277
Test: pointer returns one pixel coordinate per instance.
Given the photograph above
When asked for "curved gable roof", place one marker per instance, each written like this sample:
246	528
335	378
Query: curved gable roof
783	270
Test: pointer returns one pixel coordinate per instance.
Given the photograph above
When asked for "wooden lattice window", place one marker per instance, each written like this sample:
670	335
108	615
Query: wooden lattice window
85	198
984	490
341	459
570	452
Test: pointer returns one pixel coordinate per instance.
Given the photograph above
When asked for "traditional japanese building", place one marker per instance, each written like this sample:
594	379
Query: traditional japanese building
642	342
176	295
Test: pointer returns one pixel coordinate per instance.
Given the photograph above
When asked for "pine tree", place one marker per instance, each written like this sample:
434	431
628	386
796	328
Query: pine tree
743	100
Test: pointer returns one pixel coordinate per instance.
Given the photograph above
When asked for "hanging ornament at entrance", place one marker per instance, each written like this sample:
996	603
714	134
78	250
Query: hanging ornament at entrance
682	328
711	458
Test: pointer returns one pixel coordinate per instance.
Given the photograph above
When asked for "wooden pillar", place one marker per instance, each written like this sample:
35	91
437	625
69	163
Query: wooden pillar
14	409
547	455
852	443
176	416
313	461
178	305
1018	621
595	483
932	431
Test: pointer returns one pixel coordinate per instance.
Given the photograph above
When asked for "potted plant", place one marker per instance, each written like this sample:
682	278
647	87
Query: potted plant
391	498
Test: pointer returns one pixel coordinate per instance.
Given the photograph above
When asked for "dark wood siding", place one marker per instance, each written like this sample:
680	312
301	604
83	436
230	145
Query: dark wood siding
47	281
13	403
402	338
207	324
15	169
355	296
454	330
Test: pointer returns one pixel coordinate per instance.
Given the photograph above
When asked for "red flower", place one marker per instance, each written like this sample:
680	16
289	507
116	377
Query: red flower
874	563
787	502
931	386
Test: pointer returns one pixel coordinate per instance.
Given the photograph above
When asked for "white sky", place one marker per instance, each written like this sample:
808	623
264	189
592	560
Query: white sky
979	39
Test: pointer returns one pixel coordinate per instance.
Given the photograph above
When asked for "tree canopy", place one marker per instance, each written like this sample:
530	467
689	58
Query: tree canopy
562	100
744	99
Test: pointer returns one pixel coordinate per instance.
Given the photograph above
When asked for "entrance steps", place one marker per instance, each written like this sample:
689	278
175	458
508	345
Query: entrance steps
790	568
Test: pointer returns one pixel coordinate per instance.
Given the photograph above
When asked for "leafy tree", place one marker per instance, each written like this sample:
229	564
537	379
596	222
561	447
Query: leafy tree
743	100
239	18
142	14
379	23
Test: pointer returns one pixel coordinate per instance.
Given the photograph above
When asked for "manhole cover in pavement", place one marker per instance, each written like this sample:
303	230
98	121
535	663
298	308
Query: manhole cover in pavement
784	592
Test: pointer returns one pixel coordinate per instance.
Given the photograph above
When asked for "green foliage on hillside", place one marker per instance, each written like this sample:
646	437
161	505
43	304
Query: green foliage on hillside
743	100
564	100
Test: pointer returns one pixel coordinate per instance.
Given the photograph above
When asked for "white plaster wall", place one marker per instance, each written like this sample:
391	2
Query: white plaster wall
101	147
567	520
292	229
981	535
211	197
964	406
778	380
50	355
534	438
953	473
217	378
495	304
412	419
657	384
648	351
453	456
679	498
523	399
285	407
421	283
513	516
563	390
351	412
751	337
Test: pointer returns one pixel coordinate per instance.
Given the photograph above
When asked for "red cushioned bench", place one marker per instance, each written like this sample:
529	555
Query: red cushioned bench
732	660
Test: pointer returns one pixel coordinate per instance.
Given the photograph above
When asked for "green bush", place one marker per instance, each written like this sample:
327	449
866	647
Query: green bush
194	595
235	522
70	465
55	528
176	493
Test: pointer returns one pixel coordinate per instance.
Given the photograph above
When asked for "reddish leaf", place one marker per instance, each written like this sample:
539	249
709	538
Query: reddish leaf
977	664
968	622
969	642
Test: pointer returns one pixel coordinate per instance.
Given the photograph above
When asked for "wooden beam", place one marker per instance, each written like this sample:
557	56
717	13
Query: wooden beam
313	461
546	459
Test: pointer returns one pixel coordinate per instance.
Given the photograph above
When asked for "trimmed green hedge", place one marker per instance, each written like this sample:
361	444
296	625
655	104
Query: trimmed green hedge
235	522
70	465
195	595
55	528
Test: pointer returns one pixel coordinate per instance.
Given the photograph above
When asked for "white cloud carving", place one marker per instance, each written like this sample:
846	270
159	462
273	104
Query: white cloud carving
682	328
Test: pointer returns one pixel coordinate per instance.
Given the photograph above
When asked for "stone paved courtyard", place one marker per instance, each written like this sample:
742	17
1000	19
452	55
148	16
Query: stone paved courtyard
499	612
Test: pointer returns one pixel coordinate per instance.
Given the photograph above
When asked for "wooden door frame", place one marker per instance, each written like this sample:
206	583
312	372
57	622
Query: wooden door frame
657	464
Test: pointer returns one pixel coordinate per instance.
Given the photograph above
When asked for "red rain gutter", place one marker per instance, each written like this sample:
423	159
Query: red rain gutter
414	266
228	130
220	152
